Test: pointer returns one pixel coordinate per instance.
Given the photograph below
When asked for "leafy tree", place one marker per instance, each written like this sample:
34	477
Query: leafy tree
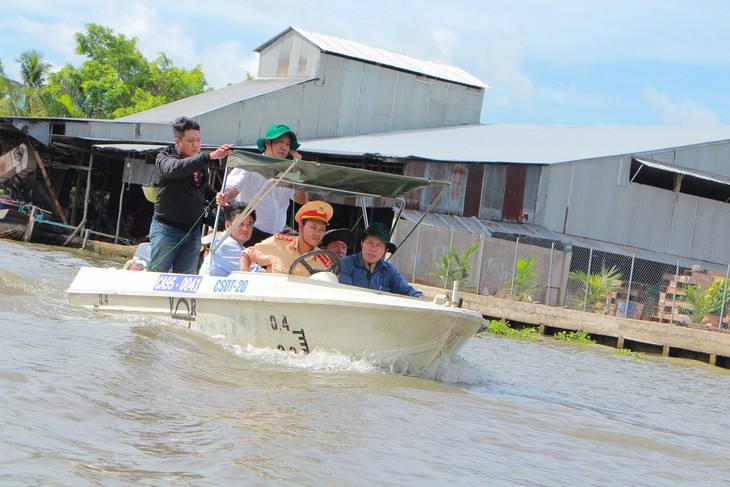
11	99
3	80
166	83
117	80
716	291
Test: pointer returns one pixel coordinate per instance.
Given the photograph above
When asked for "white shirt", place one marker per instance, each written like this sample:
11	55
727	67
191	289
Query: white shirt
225	260
271	212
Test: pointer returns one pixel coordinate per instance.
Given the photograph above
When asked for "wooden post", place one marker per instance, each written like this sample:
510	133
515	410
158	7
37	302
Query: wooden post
88	186
29	226
86	201
48	183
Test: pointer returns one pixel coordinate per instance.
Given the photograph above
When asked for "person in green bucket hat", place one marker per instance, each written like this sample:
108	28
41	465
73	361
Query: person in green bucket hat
368	269
280	141
274	133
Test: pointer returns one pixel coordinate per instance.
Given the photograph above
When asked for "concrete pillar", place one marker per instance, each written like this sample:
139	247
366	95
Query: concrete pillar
620	342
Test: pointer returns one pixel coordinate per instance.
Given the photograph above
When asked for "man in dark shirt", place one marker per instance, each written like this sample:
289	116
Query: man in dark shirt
368	269
181	199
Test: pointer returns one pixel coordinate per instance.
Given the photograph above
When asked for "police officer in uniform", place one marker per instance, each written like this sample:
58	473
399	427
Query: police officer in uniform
277	252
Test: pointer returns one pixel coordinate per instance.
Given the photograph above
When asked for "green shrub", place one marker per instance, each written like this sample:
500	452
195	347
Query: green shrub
574	337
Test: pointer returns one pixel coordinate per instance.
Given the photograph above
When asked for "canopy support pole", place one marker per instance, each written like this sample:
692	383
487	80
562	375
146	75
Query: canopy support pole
265	191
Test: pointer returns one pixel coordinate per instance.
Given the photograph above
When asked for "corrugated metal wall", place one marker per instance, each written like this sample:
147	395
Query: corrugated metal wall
601	204
498	192
711	158
360	98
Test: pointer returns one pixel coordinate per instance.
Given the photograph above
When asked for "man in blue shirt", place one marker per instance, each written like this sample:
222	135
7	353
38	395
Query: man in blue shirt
368	269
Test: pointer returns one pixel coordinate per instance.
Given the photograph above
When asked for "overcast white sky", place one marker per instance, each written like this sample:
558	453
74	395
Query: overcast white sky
627	62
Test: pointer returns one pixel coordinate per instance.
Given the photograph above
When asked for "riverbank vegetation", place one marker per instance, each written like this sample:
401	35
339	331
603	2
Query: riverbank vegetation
498	327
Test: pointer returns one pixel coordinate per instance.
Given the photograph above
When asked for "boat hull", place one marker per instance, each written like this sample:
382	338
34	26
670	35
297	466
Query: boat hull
286	313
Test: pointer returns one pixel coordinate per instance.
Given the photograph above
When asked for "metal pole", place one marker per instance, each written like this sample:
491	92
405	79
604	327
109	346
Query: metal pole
588	278
265	191
674	298
88	187
415	255
119	215
628	293
479	267
550	274
514	269
213	247
364	210
451	246
724	297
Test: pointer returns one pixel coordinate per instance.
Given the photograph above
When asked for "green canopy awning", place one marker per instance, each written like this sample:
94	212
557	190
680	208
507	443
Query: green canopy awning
327	176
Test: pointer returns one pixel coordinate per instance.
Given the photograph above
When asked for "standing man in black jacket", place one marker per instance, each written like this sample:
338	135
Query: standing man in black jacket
182	194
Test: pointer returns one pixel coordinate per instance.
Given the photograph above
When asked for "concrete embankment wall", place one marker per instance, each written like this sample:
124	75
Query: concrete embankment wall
640	336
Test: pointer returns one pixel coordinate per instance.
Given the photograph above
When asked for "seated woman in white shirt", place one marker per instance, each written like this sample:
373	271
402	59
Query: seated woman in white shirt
226	257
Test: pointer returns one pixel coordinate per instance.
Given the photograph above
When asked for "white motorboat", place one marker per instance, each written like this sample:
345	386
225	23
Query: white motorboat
292	313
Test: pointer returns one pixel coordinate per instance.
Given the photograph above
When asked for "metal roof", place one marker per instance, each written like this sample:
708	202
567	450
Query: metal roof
684	171
526	144
489	228
644	254
139	148
473	224
197	105
356	50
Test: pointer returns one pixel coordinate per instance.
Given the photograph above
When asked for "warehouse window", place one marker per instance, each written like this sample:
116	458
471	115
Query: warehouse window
681	180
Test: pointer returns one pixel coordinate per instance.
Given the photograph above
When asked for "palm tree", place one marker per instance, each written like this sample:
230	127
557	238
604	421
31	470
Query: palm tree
31	97
14	100
697	303
523	286
33	69
600	285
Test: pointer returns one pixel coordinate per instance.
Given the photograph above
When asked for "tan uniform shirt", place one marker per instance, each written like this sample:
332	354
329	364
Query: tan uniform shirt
277	253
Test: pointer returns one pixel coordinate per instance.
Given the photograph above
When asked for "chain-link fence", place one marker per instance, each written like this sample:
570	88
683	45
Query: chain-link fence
559	274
